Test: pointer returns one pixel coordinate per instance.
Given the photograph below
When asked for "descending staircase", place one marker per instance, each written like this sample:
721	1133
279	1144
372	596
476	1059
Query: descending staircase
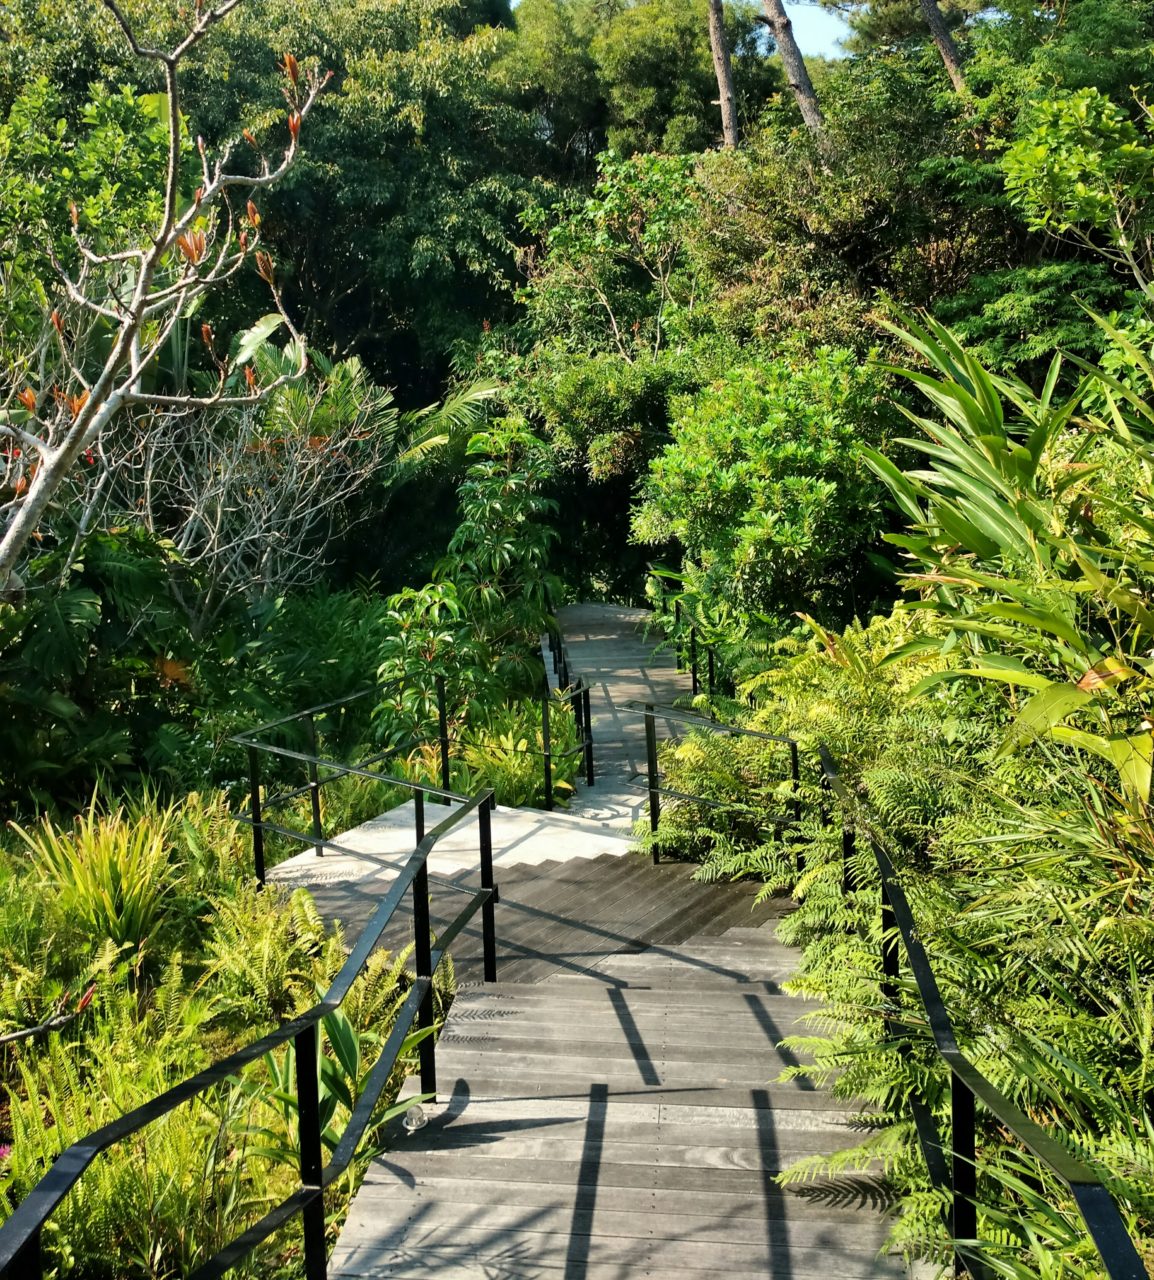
611	1108
618	1123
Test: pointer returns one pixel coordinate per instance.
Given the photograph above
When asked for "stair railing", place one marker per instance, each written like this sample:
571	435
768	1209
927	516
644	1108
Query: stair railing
953	1170
678	715
21	1256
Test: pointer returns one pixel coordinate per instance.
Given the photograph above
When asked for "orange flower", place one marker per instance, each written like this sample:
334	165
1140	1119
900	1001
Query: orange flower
27	398
250	377
290	68
253	214
294	124
249	138
57	323
206	335
76	404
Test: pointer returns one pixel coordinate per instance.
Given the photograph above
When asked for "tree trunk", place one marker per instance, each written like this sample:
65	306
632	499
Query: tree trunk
724	69
795	69
945	42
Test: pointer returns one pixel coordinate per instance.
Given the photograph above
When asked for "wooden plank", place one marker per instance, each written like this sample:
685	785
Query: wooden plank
374	1253
802	1207
439	1205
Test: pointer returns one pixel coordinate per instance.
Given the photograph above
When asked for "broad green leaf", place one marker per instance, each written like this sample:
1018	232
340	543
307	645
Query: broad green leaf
1047	708
1133	756
1040	619
256	337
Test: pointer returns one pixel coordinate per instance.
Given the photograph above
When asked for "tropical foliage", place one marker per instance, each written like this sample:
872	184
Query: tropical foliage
870	390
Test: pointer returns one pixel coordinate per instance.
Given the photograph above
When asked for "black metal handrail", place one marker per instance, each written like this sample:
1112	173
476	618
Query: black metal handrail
571	690
653	711
687	659
20	1236
253	740
957	1175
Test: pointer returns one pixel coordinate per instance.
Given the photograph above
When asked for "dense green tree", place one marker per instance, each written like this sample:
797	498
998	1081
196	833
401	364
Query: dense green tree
765	489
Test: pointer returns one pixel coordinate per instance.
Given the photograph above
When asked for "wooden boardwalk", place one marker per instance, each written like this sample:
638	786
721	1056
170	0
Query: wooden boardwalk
611	1108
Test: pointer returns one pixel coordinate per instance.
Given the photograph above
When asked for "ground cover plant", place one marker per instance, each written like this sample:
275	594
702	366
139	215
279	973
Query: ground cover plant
138	943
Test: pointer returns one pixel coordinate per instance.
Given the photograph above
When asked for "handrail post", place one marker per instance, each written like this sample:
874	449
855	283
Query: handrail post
423	960
419	813
315	789
578	710
795	778
588	735
547	752
305	1045
677	633
890	957
711	657
695	683
257	823
488	915
848	850
651	765
443	734
964	1173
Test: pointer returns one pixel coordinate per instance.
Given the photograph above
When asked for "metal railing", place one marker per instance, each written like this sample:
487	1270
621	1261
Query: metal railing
576	692
321	771
954	1169
20	1236
688	645
655	711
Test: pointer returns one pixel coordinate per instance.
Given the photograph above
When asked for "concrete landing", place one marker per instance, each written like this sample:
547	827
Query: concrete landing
521	837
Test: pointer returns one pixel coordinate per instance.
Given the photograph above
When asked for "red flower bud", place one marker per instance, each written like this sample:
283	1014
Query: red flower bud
57	323
264	267
253	214
206	335
193	245
250	377
74	213
290	68
294	124
249	138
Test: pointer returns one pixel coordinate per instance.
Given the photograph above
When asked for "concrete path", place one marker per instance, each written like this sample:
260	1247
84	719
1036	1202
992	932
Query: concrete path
607	645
